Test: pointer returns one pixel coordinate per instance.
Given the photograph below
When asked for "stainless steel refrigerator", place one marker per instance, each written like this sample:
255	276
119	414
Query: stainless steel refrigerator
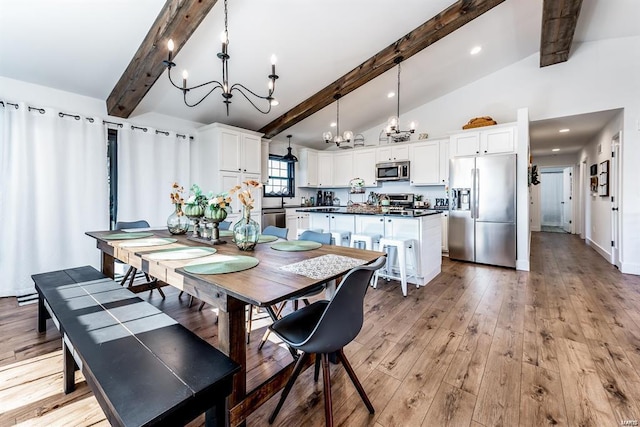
482	209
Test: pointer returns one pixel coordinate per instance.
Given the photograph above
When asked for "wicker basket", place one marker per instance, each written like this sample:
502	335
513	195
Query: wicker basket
479	122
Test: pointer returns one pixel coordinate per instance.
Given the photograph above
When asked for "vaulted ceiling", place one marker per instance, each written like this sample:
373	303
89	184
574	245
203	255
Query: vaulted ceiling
85	47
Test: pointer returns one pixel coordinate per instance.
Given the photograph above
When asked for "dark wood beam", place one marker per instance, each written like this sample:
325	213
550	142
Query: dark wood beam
559	20
444	23
177	20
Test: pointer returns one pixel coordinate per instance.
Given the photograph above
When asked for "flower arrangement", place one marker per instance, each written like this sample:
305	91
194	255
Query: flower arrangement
220	201
195	204
244	193
176	197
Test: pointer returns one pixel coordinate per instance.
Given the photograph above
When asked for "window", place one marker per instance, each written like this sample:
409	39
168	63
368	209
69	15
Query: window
112	166
281	178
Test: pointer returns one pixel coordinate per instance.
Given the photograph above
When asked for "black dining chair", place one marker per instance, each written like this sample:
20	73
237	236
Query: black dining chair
269	230
325	327
132	271
313	236
224	225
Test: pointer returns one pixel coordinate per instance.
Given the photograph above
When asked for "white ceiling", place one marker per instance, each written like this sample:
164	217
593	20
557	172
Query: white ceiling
84	46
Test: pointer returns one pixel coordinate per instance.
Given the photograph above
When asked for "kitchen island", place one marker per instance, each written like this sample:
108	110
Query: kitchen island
422	225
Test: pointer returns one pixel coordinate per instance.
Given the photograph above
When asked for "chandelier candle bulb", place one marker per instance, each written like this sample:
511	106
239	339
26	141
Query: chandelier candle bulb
273	65
185	76
170	46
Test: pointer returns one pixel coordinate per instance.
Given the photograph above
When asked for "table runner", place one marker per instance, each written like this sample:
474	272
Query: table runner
323	266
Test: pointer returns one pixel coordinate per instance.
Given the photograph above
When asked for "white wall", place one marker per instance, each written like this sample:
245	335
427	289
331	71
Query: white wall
598	227
599	76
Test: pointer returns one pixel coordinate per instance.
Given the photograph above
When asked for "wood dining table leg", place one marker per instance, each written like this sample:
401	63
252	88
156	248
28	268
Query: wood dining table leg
231	341
107	265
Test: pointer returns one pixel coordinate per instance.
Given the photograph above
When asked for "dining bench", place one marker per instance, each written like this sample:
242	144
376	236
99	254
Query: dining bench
143	367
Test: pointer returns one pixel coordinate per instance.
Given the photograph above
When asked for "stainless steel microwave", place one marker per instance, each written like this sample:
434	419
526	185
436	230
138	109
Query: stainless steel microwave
392	171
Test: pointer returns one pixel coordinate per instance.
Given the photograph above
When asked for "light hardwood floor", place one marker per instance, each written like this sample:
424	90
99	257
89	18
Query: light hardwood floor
479	346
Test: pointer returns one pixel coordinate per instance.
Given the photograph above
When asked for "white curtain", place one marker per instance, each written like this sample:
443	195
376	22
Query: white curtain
551	198
53	188
148	165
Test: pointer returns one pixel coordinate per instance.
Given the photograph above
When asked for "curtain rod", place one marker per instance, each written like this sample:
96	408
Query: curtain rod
91	120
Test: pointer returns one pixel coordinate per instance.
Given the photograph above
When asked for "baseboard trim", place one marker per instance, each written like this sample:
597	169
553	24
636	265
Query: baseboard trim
606	255
630	268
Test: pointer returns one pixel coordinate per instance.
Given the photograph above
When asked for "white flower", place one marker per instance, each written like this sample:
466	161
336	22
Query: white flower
191	200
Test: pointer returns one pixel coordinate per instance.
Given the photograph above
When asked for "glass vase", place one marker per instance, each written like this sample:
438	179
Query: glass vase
246	231
178	223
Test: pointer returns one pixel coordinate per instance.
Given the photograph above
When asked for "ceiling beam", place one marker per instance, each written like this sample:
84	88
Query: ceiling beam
177	20
559	20
444	23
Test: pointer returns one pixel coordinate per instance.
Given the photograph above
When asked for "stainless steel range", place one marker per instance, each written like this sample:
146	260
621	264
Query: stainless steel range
400	202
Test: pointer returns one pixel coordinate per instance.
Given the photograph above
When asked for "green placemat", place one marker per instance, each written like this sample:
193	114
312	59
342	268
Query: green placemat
156	241
296	245
125	236
181	253
226	233
265	238
223	264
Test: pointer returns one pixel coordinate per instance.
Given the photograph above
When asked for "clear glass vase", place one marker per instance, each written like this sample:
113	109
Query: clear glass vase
178	223
246	231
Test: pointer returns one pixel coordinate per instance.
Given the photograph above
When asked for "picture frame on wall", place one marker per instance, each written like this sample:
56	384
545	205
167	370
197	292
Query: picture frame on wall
603	179
594	169
594	185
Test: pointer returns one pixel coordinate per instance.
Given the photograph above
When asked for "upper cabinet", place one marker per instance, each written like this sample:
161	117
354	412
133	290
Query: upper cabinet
364	166
223	148
343	168
392	154
325	169
307	173
429	162
232	149
490	140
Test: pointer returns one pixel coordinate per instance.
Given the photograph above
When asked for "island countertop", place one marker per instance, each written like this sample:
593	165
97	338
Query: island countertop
412	213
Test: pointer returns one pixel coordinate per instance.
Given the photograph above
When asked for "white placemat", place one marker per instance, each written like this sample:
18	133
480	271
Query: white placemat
323	266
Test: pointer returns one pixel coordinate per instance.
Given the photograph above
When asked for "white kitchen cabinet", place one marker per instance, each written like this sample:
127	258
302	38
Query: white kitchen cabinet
364	166
342	168
227	180
429	162
295	221
234	149
325	169
425	163
491	140
329	222
445	232
425	230
307	171
393	153
264	161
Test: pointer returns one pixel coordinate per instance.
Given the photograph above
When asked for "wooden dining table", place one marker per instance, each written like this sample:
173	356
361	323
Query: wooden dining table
264	285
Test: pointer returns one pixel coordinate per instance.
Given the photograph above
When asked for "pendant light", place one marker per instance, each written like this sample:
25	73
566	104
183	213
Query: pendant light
289	157
393	124
338	139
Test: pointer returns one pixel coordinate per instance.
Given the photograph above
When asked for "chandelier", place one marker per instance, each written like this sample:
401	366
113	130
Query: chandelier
227	91
393	124
338	139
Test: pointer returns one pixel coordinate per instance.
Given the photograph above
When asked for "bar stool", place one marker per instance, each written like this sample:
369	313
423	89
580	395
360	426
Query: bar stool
338	237
399	247
368	239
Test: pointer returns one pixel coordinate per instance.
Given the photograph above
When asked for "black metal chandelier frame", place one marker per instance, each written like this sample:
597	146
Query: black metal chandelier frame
227	91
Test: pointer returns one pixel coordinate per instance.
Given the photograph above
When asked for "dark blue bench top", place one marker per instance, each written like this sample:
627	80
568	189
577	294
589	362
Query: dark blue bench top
143	366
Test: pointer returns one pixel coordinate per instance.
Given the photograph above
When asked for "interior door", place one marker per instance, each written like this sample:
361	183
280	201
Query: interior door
615	200
567	196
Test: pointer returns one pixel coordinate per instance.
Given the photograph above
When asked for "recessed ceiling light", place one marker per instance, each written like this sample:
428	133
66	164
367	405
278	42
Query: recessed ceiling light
475	50
555	149
333	124
391	94
564	130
